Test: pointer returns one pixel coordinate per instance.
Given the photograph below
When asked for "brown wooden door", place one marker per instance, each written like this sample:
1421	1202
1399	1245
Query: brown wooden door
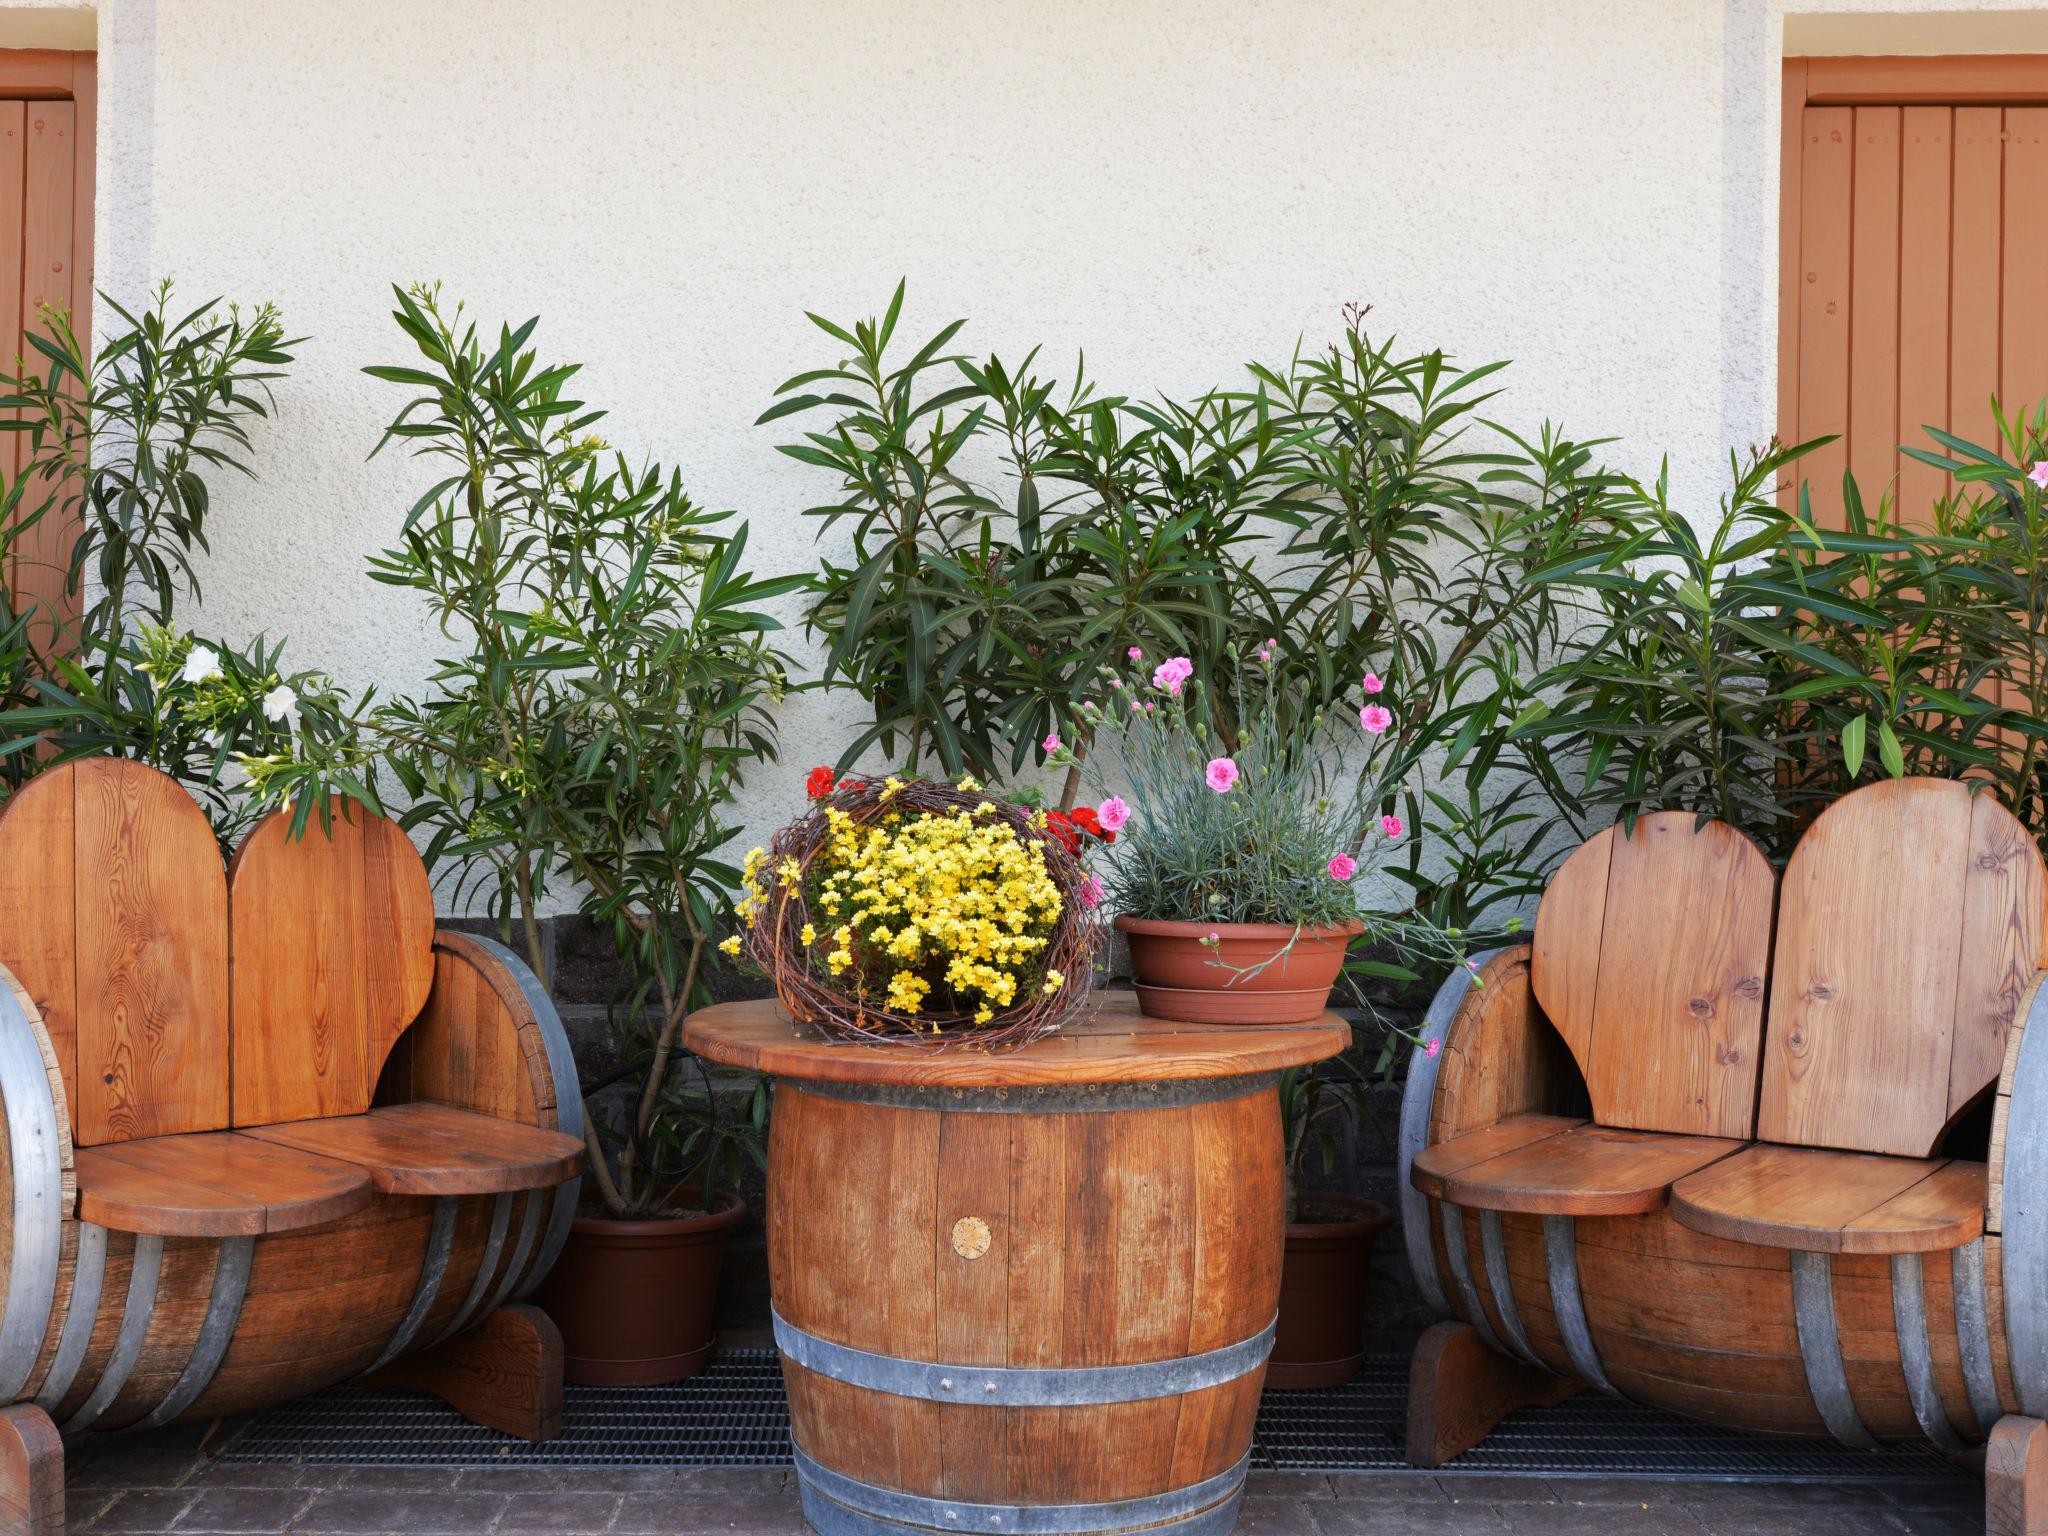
1914	262
47	106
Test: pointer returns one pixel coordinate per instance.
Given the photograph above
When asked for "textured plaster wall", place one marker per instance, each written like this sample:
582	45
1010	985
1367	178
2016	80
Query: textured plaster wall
1585	186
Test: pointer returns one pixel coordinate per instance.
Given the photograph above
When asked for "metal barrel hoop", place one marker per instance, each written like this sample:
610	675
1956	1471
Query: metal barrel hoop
1820	1347
1418	1098
223	1313
35	1147
2023	1245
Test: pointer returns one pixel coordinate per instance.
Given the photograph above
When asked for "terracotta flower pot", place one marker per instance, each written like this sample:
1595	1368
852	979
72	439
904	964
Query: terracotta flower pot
1178	977
1322	1292
634	1299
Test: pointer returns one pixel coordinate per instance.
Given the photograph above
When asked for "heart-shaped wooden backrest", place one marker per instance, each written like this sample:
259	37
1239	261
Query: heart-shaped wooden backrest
1910	926
1649	960
333	944
113	917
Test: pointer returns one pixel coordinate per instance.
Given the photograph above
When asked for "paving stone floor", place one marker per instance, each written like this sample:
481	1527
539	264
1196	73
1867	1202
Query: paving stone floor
166	1483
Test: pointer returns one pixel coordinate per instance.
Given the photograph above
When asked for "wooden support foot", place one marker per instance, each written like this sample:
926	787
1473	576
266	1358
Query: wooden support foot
31	1473
1458	1390
505	1373
2016	1478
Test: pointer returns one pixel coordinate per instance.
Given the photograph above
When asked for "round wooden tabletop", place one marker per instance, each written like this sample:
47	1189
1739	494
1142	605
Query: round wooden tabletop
1111	1042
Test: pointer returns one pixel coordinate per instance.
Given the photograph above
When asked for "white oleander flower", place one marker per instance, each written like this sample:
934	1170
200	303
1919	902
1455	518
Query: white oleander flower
282	705
202	664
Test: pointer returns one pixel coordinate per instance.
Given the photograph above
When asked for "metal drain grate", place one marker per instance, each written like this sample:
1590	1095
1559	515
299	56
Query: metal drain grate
734	1415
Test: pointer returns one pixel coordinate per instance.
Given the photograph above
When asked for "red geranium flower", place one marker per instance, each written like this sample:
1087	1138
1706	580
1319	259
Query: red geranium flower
1084	817
819	784
1061	826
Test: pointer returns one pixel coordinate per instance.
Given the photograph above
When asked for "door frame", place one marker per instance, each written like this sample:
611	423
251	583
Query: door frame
1892	80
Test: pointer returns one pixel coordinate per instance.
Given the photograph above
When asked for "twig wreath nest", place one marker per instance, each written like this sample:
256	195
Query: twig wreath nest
916	913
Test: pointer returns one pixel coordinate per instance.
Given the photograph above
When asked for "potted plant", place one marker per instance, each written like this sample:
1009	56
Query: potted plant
907	911
1323	1280
1233	882
584	744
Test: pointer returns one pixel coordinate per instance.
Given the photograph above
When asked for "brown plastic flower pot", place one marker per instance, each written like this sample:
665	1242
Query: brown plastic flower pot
635	1299
1179	977
1321	1338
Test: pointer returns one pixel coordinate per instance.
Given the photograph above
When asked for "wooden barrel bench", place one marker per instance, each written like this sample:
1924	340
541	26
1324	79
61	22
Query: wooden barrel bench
1024	1291
265	1130
1788	1185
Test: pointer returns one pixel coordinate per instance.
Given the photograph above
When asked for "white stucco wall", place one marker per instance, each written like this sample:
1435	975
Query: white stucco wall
1585	186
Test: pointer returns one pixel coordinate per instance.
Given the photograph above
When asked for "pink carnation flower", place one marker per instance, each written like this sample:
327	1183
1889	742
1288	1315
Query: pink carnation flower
1375	718
1091	892
1393	826
1172	672
1113	813
1135	654
1052	741
1221	774
1342	866
1435	1046
1374	682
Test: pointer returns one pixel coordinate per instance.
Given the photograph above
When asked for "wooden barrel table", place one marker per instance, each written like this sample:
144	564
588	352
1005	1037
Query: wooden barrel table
1029	1290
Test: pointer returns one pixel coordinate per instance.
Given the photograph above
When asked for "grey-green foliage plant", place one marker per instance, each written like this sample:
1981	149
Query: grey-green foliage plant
111	504
608	686
1272	828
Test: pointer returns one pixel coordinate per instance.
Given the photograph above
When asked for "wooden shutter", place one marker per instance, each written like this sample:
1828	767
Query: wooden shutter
47	107
1914	245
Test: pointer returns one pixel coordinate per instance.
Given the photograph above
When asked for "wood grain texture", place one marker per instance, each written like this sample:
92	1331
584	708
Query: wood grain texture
39	940
1826	222
38	556
1865	980
150	908
2004	887
1110	1043
1564	971
1874	303
1835	1202
1584	1170
1115	1237
1927	155
1459	1390
31	1473
214	1184
1500	1056
1678	1009
505	1374
333	958
1975	257
2016	1478
476	1044
433	1149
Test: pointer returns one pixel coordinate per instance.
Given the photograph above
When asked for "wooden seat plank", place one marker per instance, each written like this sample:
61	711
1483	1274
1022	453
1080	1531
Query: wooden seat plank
214	1184
434	1149
1576	1170
1817	1201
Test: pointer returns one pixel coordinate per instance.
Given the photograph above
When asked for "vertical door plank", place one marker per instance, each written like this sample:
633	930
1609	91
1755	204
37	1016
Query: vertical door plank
1791	155
151	900
2004	887
1925	157
1974	271
13	201
1863	986
1874	304
1679	1008
2023	357
40	557
38	942
1826	183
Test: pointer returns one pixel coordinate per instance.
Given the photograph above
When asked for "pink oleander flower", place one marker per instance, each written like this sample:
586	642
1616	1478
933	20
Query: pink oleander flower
1052	741
1135	654
1113	813
1375	718
1374	682
1342	866
1393	826
1091	892
1435	1046
2039	473
1172	672
1221	774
